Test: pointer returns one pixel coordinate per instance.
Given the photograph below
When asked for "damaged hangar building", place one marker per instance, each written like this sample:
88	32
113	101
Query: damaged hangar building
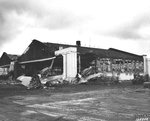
71	60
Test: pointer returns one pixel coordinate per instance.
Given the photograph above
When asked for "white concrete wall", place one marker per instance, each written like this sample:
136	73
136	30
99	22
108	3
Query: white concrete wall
71	64
69	61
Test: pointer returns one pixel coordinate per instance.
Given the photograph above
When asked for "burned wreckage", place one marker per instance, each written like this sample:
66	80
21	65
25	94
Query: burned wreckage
53	63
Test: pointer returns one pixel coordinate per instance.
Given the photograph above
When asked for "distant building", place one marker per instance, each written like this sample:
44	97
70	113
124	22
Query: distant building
7	62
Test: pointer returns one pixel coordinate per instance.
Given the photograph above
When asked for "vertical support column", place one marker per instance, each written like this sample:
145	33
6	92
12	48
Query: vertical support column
79	62
148	66
145	64
64	66
71	64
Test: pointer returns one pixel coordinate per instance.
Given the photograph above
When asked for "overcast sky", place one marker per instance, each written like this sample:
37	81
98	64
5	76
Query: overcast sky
120	24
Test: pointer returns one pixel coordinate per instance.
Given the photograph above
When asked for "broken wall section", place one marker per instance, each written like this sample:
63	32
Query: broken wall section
123	69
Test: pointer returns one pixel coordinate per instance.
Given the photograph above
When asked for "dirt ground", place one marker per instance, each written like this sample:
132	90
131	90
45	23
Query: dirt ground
74	103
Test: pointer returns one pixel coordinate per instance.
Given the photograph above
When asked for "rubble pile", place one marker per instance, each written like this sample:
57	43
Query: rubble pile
35	82
50	77
52	80
46	72
46	78
88	71
89	75
25	80
30	82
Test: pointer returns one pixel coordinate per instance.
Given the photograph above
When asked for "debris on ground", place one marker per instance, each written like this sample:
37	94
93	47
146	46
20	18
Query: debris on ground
52	80
86	75
46	72
30	82
51	76
25	80
88	71
35	82
89	75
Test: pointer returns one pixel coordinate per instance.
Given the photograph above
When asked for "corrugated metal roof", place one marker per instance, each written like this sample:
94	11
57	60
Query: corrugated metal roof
119	54
80	49
102	53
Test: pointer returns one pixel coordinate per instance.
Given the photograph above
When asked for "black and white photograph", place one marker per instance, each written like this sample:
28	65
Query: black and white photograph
74	60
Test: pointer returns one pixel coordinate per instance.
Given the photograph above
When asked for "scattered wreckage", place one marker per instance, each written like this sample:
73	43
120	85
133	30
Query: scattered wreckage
48	78
43	80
